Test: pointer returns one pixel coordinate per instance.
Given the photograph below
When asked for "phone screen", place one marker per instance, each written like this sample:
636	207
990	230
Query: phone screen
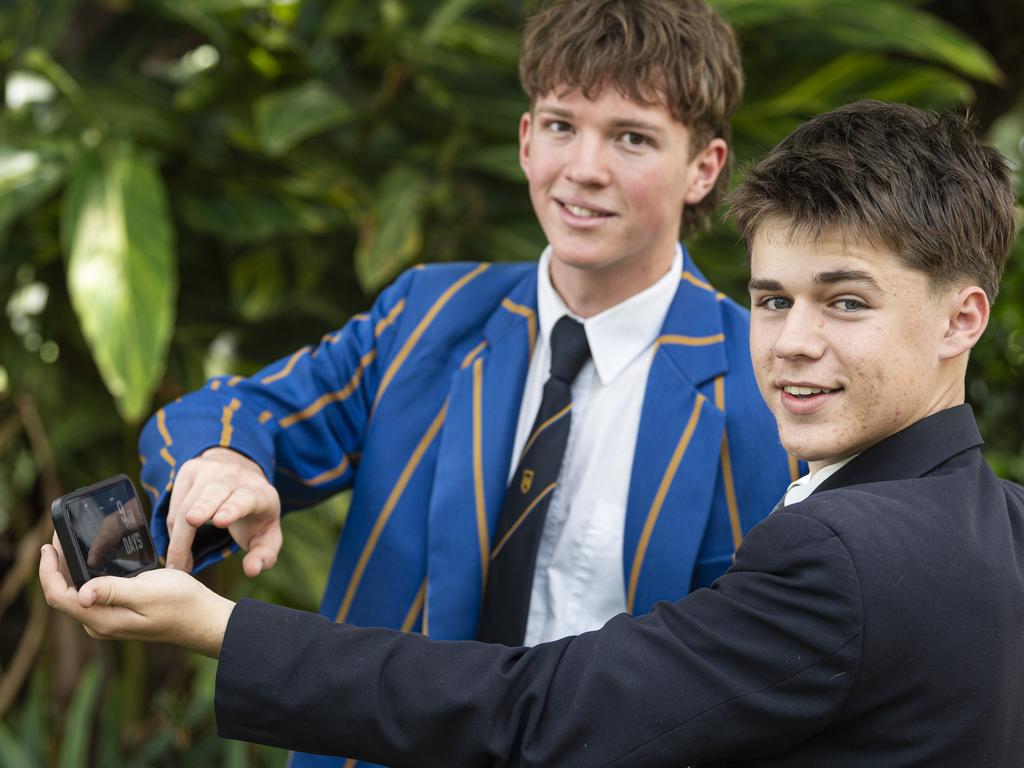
111	531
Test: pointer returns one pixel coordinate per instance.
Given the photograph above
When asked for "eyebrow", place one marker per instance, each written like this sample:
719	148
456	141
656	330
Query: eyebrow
621	125
846	276
821	278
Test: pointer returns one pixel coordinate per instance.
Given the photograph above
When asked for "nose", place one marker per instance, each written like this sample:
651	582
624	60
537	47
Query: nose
587	164
801	334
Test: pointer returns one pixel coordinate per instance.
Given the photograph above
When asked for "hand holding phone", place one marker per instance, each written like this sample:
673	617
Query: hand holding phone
103	531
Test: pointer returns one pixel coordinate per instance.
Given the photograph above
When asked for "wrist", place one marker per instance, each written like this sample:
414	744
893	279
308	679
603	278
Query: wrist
216	614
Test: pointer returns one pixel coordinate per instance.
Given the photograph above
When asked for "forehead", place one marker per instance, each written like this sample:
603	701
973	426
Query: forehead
606	103
780	254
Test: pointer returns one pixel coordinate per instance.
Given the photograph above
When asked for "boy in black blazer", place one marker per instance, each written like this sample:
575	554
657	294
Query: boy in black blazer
874	619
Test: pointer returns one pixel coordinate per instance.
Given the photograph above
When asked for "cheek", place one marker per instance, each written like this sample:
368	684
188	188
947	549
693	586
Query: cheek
652	191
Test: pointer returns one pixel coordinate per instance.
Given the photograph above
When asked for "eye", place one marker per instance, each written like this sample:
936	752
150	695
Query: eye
849	305
774	303
558	126
634	139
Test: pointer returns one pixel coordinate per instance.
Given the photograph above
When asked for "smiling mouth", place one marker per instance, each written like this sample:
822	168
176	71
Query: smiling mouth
583	212
805	392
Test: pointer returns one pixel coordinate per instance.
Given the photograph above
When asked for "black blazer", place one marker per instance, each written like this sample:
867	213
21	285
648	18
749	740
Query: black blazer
877	623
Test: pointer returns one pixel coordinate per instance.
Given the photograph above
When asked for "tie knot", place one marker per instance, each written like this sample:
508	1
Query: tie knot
569	349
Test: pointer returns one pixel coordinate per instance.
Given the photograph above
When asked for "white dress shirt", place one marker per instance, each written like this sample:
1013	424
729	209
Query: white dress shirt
578	583
803	487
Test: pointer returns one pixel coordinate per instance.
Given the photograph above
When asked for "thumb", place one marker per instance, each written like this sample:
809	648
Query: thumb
103	590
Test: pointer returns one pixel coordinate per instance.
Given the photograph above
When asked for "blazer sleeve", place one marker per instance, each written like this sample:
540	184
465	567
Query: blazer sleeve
302	419
752	666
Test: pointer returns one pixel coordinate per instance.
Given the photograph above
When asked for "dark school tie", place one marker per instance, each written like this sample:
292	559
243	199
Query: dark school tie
521	522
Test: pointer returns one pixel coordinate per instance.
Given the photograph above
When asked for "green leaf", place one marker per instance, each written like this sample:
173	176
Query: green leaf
11	755
866	25
121	271
255	213
74	749
491	45
447	14
392	233
258	283
26	179
499	160
285	118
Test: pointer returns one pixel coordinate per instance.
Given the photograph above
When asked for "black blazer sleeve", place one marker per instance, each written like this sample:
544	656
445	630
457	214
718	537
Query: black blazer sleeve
752	666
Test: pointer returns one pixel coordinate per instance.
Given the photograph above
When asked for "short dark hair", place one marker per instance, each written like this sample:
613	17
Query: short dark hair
919	183
675	53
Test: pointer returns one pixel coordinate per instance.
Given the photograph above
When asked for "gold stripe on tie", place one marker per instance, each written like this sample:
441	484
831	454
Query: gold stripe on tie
389	506
522	518
557	417
420	329
265	417
483	537
287	368
225	421
414	610
529	314
323	477
727	477
385	322
659	500
331	397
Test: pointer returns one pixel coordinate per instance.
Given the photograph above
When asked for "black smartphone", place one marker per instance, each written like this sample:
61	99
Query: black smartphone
103	531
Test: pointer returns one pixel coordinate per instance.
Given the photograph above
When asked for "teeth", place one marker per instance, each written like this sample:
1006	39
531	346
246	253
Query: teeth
585	213
805	390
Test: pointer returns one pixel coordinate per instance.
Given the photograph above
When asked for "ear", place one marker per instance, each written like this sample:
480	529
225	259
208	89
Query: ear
525	124
704	169
967	318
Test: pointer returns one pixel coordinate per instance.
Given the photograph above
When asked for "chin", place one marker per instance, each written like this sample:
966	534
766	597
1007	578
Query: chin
806	450
576	258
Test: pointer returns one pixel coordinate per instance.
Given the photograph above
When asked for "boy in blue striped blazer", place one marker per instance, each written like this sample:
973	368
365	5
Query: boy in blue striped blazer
425	406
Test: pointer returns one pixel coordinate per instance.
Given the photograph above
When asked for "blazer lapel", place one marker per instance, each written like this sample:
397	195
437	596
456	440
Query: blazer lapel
912	452
675	466
473	462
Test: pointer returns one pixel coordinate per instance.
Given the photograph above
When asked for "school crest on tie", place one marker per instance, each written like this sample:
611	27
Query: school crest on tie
526	482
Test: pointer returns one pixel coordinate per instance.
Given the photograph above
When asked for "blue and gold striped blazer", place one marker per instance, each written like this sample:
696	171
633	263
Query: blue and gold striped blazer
414	406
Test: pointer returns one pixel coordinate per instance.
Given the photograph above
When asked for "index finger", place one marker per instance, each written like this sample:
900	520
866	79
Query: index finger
179	547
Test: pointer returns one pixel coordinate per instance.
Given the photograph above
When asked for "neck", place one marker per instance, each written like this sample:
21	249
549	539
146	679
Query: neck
588	292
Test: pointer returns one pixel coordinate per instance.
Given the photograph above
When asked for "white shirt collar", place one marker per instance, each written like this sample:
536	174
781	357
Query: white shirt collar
620	333
802	488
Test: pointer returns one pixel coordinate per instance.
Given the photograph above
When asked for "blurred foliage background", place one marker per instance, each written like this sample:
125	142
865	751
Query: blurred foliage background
195	187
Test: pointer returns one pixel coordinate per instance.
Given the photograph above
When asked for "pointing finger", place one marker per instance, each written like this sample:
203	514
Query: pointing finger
179	549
